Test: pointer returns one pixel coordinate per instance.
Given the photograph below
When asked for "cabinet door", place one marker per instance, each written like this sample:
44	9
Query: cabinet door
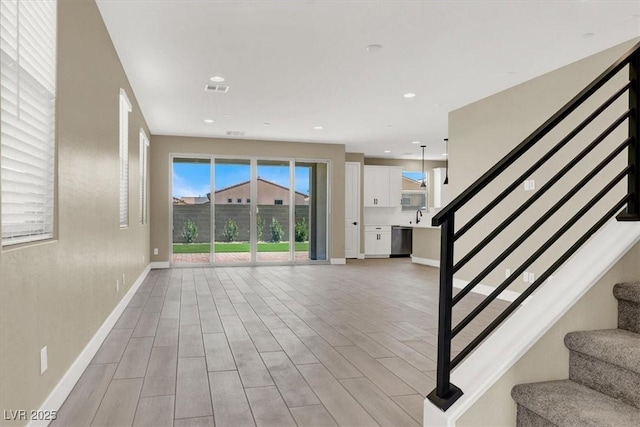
370	190
370	243
395	187
384	243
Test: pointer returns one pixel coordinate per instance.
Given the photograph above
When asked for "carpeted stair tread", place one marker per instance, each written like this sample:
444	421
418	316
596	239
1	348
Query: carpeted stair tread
567	404
627	291
615	346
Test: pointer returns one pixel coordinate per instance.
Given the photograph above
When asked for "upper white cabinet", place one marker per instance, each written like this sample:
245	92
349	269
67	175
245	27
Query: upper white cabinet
382	186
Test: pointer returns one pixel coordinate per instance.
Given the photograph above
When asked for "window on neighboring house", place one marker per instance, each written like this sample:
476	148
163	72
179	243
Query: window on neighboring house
229	200
277	202
125	109
248	200
27	119
239	200
144	188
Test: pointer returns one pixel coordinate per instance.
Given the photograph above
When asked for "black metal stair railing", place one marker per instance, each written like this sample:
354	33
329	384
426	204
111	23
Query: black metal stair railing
445	393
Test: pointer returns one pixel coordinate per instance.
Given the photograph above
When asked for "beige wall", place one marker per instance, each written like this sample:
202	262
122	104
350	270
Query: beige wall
480	134
426	243
58	293
548	359
162	147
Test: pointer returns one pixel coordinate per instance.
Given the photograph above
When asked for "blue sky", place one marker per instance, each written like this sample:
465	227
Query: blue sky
192	179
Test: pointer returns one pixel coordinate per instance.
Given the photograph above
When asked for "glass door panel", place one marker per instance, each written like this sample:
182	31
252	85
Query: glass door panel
273	204
232	211
311	211
191	188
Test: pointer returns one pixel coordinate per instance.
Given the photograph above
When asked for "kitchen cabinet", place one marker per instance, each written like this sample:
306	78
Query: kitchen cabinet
377	240
382	186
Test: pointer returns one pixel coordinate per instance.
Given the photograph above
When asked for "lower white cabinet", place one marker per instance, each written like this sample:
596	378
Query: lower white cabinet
377	240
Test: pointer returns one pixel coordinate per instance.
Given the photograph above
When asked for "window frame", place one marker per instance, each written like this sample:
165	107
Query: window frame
144	182
125	109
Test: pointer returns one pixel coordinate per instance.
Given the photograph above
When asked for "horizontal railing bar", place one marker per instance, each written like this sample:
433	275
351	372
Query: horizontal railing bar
550	212
516	183
516	303
473	252
538	134
574	219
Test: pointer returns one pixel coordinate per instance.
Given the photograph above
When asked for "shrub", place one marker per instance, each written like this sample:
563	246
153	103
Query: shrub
190	231
259	226
230	231
276	231
302	230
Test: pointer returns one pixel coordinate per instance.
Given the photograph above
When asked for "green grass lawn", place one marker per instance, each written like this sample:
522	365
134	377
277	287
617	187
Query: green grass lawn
199	248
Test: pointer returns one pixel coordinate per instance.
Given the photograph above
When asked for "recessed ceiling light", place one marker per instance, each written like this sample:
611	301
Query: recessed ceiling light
409	95
208	121
438	105
587	35
226	115
217	79
416	142
389	126
373	48
318	127
266	124
387	151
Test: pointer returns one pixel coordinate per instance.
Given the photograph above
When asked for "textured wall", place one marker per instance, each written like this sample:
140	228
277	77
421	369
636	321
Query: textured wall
57	293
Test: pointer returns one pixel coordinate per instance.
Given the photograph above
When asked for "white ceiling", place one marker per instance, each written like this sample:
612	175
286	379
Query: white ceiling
298	64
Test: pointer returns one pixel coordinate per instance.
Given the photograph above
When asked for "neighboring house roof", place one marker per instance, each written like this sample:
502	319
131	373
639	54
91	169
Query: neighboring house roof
259	179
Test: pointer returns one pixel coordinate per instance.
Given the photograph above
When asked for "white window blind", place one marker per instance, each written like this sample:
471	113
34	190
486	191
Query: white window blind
27	119
125	109
144	149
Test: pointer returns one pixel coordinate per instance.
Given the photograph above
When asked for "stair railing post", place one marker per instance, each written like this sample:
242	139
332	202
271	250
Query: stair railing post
445	393
633	206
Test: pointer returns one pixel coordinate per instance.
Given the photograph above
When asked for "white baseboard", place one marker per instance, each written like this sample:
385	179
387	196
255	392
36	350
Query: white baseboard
338	261
61	391
159	265
481	289
425	261
478	372
360	256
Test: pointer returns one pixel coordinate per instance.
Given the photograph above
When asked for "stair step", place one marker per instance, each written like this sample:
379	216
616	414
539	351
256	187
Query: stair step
615	346
567	403
628	295
607	361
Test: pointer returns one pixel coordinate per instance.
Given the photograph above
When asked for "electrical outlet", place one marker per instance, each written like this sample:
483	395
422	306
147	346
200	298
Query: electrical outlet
123	281
155	251
525	277
117	285
143	259
532	184
526	185
44	362
507	272
532	277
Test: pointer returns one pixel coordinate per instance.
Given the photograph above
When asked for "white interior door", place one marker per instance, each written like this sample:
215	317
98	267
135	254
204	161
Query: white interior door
352	210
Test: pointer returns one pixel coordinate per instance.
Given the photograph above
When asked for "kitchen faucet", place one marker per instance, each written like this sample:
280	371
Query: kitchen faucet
418	216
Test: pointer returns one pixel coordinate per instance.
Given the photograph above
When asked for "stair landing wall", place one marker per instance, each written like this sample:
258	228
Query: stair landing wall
548	359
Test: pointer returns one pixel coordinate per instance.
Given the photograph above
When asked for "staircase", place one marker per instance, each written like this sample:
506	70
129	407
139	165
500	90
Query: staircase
603	388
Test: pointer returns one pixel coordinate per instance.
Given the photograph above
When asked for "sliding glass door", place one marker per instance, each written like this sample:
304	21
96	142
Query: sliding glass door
261	211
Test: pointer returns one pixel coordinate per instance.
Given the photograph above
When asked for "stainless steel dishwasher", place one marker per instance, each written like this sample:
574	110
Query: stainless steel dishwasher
401	240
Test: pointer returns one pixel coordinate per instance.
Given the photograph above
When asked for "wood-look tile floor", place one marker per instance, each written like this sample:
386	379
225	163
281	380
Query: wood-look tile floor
303	345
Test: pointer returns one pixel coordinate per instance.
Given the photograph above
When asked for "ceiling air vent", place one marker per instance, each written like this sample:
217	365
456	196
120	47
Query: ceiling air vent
235	133
216	88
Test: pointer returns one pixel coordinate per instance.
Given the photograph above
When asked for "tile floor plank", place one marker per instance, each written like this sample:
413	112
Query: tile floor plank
167	333
329	357
194	422
113	346
218	353
409	374
119	404
340	404
377	404
190	343
192	389
313	416
147	325
230	406
295	349
160	378
268	407
135	358
292	386
156	411
412	404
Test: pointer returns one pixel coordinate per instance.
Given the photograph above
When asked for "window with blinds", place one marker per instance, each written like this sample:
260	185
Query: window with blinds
27	119
144	149
125	109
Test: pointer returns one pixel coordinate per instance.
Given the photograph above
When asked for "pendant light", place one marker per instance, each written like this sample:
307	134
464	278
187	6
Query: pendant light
446	170
424	180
